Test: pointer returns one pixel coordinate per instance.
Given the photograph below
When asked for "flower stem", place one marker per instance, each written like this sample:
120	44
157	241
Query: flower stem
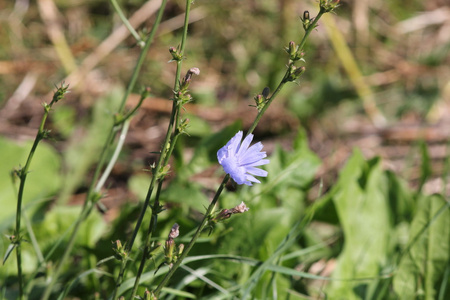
23	172
93	195
204	222
284	79
194	237
166	150
125	20
147	246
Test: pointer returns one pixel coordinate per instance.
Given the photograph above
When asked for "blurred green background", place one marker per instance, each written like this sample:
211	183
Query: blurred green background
361	141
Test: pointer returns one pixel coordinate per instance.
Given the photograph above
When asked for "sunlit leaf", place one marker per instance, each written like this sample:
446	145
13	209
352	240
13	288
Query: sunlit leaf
422	267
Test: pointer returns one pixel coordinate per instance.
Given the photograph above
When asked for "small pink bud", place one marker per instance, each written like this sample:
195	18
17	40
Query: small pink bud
174	232
195	71
241	208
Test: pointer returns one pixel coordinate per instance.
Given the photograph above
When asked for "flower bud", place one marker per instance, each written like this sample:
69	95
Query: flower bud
60	92
306	20
239	209
168	250
174	232
328	5
180	249
120	251
187	78
163	171
259	99
195	71
295	73
176	56
265	93
291	48
183	125
227	213
145	93
223	215
299	71
149	295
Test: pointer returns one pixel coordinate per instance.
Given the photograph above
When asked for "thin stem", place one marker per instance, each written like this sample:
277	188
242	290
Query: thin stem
151	229
311	27
19	270
125	20
84	213
194	237
284	79
92	191
115	156
142	56
129	245
166	151
33	240
23	176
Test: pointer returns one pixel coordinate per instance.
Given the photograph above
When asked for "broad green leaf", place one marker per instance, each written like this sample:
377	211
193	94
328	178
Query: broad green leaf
186	194
361	203
197	126
61	218
42	181
422	267
296	168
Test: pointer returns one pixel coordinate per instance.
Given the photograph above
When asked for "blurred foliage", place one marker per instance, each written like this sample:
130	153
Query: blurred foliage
381	238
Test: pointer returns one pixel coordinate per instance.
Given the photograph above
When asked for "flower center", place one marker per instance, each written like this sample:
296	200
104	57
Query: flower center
230	166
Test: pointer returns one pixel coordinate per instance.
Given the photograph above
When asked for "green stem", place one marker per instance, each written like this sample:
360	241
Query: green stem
115	156
171	139
83	215
194	237
129	245
311	27
166	150
143	54
153	221
147	247
125	20
284	79
94	189
220	189
23	176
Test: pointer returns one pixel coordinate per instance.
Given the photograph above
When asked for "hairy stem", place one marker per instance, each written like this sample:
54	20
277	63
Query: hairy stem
284	79
210	208
166	150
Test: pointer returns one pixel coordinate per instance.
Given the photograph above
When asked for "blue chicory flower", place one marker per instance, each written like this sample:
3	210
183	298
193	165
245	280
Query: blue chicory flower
239	160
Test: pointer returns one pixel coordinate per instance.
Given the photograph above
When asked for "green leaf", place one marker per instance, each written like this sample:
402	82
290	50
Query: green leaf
296	168
43	179
187	194
422	267
425	166
361	202
10	249
61	218
197	126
